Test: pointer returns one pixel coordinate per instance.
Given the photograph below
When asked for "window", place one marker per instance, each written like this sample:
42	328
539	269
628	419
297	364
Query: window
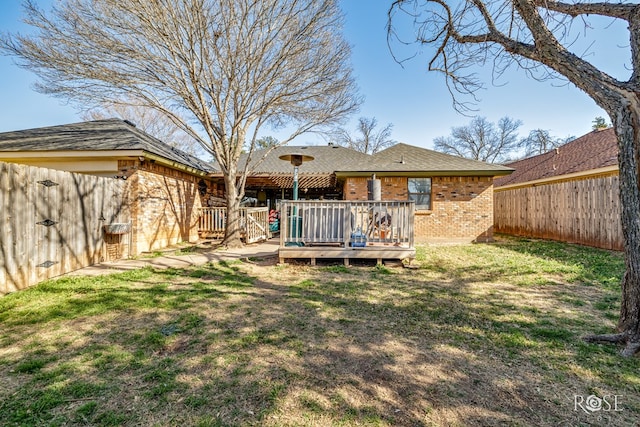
419	190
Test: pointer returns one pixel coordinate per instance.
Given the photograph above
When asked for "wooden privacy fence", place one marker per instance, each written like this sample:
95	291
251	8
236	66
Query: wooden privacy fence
582	211
53	222
253	221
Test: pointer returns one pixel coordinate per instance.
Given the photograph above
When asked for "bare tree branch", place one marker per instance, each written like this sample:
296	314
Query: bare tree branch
482	140
150	121
540	141
466	34
535	36
220	69
368	140
614	10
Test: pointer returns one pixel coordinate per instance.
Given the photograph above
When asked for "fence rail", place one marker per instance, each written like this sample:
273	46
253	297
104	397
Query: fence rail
347	223
52	222
582	211
253	221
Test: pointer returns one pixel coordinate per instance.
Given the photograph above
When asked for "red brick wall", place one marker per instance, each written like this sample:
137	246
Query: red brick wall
393	188
462	207
164	207
116	246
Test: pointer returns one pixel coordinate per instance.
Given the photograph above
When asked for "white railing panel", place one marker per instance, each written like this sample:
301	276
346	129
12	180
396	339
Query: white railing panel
347	223
253	221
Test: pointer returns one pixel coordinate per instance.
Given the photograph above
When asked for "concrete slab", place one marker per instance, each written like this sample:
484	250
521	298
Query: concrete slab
268	249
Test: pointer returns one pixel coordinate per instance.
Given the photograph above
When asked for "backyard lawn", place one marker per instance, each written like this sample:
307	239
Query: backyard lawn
479	335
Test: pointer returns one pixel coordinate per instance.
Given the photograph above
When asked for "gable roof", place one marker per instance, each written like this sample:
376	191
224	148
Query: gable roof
115	135
405	158
595	150
96	136
401	159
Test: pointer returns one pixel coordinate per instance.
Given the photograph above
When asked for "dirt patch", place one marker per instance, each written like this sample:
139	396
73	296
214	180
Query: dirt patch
252	343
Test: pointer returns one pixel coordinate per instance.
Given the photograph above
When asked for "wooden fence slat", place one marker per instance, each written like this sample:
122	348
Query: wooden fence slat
583	211
254	222
33	252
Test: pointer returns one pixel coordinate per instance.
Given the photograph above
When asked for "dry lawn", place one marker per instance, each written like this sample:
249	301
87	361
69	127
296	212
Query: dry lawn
482	335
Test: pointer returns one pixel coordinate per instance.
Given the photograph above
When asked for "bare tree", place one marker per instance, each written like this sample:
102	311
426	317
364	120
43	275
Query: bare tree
150	121
540	141
367	140
536	35
222	70
482	140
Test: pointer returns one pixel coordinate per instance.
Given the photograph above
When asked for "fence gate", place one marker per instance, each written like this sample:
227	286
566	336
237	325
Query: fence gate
48	207
254	223
257	224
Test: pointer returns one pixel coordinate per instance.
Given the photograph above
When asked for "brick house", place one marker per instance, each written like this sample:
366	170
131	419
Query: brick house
164	186
454	196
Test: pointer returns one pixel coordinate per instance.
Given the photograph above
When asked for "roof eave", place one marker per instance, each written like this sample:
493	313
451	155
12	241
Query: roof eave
101	154
174	164
592	173
69	154
425	173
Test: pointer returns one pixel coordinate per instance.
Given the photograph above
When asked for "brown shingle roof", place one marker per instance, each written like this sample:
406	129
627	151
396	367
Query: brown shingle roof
400	158
597	149
327	159
408	158
98	135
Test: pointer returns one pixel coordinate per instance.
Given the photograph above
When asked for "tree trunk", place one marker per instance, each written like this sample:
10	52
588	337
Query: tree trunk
626	121
233	230
627	127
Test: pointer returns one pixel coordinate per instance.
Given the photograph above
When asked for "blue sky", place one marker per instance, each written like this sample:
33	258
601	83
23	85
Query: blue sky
415	101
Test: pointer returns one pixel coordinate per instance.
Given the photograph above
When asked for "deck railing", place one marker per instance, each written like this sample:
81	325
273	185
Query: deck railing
346	223
254	222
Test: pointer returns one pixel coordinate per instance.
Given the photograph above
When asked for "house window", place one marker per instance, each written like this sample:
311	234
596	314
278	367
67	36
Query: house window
419	190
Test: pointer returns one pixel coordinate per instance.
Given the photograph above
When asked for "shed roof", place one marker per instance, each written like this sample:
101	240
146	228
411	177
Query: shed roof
595	150
98	135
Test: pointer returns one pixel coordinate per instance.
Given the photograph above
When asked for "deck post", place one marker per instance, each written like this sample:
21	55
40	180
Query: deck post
347	225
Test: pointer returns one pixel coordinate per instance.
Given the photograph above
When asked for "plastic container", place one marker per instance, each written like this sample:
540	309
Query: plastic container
358	239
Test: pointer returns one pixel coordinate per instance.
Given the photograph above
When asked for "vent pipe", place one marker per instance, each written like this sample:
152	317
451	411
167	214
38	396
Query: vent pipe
374	189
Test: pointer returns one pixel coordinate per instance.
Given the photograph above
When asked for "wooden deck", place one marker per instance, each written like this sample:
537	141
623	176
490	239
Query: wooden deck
313	253
346	230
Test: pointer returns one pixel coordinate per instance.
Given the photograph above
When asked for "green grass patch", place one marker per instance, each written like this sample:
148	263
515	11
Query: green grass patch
31	366
477	335
86	410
